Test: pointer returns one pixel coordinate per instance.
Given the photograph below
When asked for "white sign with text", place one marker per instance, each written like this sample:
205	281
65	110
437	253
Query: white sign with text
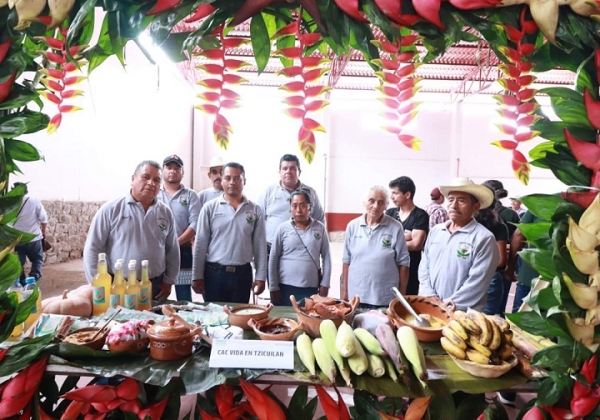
252	354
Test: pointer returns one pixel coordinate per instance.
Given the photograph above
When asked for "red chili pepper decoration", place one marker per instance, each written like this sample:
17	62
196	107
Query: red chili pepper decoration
20	389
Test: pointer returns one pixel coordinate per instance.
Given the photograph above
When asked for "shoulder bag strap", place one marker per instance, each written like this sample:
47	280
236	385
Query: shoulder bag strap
22	205
307	251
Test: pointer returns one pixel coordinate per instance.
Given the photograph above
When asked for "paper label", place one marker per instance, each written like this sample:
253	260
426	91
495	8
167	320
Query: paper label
252	354
115	300
130	300
99	295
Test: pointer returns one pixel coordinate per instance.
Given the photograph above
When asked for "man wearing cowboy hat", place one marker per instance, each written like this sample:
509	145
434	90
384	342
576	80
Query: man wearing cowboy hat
460	256
214	174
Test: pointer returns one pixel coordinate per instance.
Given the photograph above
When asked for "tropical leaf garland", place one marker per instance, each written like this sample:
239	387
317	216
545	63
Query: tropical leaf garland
306	95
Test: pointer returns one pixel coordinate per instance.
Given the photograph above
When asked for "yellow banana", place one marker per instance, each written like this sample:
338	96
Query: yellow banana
479	347
496	335
28	10
500	322
475	356
328	332
411	348
585	296
451	335
323	358
458	329
358	362
485	337
368	341
345	339
507	337
505	351
305	351
452	349
376	367
468	324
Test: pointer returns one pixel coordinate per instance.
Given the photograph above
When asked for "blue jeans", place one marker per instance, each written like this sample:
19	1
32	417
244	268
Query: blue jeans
183	292
35	253
522	291
227	283
299	293
497	295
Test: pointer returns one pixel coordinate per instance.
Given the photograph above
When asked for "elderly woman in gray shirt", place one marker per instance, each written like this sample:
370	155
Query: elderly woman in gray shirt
300	245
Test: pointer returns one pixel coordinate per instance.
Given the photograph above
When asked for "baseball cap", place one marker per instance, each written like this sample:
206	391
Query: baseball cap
435	193
173	159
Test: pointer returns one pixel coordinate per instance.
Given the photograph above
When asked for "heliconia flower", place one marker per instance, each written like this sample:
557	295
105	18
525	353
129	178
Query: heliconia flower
581	238
4	47
54	123
585	261
579	330
163	6
585	152
505	144
6	86
351	8
265	407
590	219
592	109
201	12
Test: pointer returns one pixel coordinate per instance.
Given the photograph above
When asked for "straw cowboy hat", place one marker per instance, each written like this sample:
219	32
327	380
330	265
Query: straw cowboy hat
483	194
214	161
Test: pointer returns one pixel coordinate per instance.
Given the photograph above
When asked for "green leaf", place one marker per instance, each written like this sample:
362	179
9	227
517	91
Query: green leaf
571	111
22	354
542	205
261	42
442	407
19	97
22	122
546	299
551	389
21	151
541	260
557	358
366	405
535	231
471	407
585	75
531	322
360	39
298	401
10	269
85	11
117	40
378	19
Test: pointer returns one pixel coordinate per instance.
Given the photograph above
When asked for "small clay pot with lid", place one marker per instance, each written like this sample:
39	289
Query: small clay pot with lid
171	339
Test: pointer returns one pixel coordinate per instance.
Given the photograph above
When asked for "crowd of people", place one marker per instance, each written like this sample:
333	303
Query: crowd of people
461	247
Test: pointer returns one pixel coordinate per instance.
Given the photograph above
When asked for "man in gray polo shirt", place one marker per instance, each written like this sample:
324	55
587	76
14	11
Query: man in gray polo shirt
230	235
185	206
275	201
214	174
137	227
460	255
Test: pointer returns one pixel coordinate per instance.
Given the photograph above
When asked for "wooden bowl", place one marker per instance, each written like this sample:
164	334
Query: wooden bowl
486	371
422	305
133	346
312	323
240	315
82	337
262	328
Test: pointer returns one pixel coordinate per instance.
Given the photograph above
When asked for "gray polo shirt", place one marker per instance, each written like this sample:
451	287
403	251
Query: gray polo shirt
208	194
459	266
185	207
289	261
374	255
275	202
230	237
122	229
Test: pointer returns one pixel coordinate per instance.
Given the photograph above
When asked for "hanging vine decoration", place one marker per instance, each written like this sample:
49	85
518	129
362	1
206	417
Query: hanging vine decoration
61	74
305	92
517	107
399	86
217	95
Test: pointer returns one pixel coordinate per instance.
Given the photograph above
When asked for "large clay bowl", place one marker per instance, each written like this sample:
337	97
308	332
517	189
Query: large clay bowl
281	329
422	305
312	323
82	337
240	315
486	371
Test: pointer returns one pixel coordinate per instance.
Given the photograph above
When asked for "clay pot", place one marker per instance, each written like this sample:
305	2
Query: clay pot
261	327
171	339
312	323
133	346
81	337
240	315
422	305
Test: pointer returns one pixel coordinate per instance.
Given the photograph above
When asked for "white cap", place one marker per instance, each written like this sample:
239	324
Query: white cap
102	256
144	263
119	265
132	264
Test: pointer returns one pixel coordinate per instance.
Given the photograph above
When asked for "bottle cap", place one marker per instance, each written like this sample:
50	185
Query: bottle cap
30	280
144	263
118	265
120	260
102	256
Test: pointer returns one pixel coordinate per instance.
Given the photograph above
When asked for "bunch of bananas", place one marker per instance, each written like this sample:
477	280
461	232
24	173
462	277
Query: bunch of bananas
346	350
478	337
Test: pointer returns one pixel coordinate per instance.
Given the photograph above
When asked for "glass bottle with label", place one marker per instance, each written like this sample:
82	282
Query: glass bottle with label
145	296
30	286
18	289
131	288
101	287
117	291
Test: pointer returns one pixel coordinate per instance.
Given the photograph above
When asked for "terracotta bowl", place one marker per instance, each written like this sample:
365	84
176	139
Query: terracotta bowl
133	346
82	337
265	327
312	323
422	305
486	371
240	315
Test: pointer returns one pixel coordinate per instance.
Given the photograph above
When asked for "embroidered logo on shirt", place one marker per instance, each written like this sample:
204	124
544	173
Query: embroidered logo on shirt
163	224
317	234
250	218
184	201
386	241
464	250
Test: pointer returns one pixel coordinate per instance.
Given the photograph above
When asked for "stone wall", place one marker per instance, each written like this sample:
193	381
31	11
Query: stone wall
68	224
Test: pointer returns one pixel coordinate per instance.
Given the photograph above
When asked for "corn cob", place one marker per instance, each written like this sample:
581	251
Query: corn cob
376	367
323	358
369	342
358	362
390	369
328	332
387	339
345	339
305	351
413	352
